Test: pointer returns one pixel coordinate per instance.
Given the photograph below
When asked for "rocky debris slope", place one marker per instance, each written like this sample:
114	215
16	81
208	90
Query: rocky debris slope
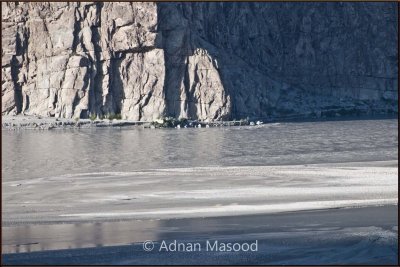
204	61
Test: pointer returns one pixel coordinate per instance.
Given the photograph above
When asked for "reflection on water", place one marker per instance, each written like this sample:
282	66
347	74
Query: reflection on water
29	238
29	154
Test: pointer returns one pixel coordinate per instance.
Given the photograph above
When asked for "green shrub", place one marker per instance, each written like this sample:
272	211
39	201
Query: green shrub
112	116
93	116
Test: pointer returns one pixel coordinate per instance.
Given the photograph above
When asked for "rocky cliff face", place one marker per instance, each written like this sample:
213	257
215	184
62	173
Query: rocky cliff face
199	60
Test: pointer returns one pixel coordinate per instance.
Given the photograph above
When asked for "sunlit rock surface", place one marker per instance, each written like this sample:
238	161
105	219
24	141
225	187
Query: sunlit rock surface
199	60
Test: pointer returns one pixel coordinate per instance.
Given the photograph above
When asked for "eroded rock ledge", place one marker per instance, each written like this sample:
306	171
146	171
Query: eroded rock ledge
205	61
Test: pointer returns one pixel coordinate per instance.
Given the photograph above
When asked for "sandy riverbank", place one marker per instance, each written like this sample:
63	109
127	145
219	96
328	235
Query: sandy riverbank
24	122
27	122
198	192
49	123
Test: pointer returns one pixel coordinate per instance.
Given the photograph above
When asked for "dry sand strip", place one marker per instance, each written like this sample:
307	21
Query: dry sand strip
198	192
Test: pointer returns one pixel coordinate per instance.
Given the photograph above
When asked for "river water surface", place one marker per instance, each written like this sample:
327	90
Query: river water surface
309	192
32	154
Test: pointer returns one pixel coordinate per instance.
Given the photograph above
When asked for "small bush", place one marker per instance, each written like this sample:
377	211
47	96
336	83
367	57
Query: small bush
112	116
93	116
168	122
183	121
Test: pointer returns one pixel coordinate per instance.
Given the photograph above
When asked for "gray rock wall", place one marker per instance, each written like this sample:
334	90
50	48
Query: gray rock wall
199	60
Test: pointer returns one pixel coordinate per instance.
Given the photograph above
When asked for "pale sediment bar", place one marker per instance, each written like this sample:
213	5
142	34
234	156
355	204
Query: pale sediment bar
198	192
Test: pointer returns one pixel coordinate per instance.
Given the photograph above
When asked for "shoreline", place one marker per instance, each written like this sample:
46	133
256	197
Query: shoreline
8	224
28	122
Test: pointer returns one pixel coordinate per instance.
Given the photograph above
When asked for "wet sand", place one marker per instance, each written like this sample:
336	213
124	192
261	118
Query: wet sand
366	235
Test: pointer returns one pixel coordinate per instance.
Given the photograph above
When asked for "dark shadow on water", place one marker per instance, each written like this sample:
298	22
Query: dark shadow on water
314	237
